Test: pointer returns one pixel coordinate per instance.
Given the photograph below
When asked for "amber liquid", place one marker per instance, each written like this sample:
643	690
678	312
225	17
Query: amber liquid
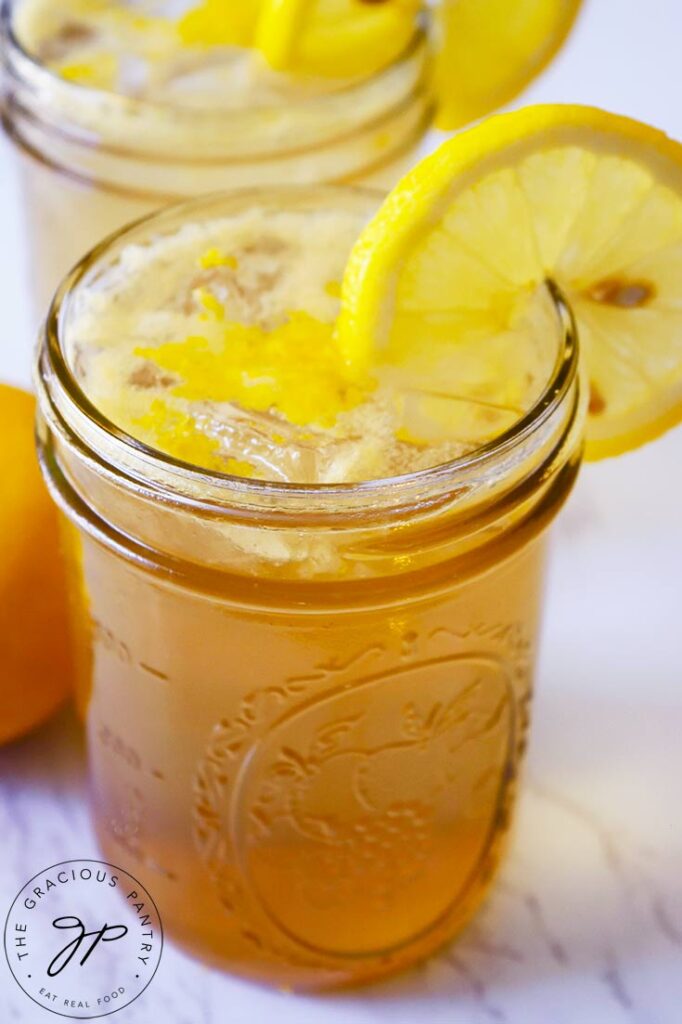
314	794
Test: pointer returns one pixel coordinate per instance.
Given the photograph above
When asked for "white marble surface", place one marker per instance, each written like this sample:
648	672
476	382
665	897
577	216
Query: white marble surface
585	923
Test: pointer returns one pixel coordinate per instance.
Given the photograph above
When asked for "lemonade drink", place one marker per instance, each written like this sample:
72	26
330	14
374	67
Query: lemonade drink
116	109
306	596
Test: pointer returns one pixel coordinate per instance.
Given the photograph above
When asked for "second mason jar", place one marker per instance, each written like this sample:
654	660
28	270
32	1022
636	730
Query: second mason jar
93	159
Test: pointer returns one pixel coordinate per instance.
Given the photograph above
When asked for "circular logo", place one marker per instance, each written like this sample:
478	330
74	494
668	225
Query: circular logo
83	938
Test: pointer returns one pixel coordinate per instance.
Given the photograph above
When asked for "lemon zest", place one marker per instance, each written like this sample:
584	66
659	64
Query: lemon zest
215	258
176	433
407	437
100	72
295	368
238	467
213	306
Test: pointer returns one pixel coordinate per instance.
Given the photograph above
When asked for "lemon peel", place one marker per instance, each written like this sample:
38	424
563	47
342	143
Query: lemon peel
213	307
213	257
98	72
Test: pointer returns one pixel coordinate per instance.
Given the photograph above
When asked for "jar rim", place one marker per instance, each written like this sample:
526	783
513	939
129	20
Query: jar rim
52	366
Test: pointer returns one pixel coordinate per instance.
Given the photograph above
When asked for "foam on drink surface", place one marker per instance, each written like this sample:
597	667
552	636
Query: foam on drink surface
171	51
215	344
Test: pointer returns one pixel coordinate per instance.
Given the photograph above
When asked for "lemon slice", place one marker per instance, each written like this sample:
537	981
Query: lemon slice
588	199
220	23
489	50
334	38
279	26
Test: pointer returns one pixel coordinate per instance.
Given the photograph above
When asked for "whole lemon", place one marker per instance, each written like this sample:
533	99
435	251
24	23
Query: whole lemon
35	661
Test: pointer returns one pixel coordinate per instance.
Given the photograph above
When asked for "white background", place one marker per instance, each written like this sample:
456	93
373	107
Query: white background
585	926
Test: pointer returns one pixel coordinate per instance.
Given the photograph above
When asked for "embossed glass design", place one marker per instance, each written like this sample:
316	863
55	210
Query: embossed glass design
311	761
92	161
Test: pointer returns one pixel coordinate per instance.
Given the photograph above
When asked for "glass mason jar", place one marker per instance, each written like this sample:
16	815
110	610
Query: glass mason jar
306	706
92	161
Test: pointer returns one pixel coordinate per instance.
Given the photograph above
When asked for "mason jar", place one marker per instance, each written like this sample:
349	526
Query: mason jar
306	705
91	160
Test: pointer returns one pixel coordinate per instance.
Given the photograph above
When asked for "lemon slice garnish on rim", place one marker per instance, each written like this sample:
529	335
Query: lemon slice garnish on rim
220	23
588	199
487	51
334	38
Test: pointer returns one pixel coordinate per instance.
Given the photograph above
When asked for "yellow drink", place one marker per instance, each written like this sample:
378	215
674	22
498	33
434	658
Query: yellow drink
113	119
306	686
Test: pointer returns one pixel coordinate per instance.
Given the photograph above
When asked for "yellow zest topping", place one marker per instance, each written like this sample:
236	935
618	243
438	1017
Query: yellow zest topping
100	72
214	308
295	368
215	258
176	432
237	467
407	437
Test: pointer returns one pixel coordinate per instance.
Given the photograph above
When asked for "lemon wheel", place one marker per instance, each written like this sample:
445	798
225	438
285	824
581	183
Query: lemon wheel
588	199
